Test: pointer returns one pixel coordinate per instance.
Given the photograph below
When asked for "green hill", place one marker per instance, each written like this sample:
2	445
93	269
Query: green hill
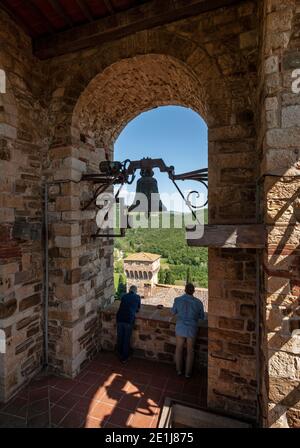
181	261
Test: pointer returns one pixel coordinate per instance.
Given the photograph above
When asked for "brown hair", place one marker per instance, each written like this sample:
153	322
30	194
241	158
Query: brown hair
190	289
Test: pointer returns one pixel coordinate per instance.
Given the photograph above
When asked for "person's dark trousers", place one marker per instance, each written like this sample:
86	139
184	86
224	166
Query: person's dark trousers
124	332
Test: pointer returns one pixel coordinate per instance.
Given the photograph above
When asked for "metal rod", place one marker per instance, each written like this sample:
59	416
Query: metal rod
46	281
187	203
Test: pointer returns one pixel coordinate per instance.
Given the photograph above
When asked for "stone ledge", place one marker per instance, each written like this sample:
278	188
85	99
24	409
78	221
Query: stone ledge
153	335
149	312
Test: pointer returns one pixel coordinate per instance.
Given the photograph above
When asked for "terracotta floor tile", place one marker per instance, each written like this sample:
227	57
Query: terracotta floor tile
112	377
146	408
111	397
138	378
80	389
111	426
106	393
95	392
120	417
192	388
73	419
153	395
158	382
189	398
57	413
64	384
81	374
9	421
141	421
174	386
55	394
37	407
136	389
155	421
68	400
23	393
84	405
99	368
17	406
39	382
90	378
93	423
53	380
38	393
118	384
39	421
129	402
101	411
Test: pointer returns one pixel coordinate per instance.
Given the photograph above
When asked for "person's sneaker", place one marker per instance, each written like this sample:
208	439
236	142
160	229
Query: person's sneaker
124	361
179	373
188	376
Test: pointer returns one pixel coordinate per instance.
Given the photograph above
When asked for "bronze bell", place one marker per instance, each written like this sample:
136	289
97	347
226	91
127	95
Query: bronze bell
147	185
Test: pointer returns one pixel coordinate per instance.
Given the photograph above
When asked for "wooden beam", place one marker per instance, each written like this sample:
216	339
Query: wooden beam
242	236
41	15
61	12
145	16
109	6
85	9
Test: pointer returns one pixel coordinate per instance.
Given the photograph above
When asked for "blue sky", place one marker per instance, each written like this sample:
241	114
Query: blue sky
176	134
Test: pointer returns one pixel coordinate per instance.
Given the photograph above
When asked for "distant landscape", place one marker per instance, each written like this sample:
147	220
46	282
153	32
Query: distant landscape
179	262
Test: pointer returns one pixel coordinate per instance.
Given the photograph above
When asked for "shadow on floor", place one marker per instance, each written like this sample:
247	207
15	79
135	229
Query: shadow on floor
106	394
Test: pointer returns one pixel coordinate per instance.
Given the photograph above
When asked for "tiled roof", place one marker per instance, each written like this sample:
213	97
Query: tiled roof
165	295
143	256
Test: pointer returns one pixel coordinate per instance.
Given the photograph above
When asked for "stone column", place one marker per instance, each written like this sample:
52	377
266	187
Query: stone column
280	171
81	268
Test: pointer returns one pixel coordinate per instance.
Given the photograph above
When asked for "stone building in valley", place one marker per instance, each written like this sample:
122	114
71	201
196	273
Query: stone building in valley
142	270
74	77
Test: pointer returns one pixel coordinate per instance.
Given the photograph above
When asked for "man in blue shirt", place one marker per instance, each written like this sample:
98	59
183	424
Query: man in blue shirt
129	306
188	311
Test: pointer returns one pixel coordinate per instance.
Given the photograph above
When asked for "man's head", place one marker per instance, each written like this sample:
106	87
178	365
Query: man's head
190	289
133	289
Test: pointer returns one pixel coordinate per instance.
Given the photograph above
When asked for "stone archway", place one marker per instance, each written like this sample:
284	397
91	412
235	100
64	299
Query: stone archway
93	116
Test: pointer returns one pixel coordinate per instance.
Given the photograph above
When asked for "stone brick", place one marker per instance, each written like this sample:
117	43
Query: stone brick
87	107
73	276
66	203
76	164
8	308
68	241
290	116
291	60
272	65
293	418
29	302
283	138
233	324
63	229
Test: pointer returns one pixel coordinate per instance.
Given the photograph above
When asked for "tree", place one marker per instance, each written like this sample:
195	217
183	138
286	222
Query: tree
169	278
189	275
162	276
121	286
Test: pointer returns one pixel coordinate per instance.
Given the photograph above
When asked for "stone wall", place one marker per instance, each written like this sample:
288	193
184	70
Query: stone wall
208	63
60	118
22	145
153	336
280	169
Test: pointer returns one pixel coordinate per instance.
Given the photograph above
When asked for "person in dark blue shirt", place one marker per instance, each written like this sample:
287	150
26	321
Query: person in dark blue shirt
129	306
